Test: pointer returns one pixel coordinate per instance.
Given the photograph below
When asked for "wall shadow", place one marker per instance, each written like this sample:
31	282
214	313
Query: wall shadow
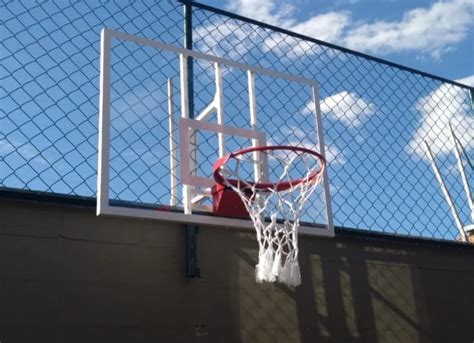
361	290
66	275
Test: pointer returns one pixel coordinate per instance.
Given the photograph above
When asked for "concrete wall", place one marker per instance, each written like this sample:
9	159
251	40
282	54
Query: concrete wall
68	276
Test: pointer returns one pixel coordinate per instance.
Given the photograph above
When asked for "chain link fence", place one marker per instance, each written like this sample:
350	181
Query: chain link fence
377	115
49	86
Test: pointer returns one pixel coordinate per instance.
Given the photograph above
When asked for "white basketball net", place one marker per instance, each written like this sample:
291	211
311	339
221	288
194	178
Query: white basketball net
276	212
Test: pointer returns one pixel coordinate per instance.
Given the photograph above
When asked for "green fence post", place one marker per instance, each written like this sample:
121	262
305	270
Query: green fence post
191	230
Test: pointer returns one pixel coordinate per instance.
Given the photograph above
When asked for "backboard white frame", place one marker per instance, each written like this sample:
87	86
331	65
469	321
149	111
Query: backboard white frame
103	203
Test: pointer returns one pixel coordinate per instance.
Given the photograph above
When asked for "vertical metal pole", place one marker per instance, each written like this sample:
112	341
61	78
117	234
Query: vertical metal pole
447	196
103	173
219	104
257	168
322	151
471	93
261	164
191	230
465	182
183	82
172	145
472	99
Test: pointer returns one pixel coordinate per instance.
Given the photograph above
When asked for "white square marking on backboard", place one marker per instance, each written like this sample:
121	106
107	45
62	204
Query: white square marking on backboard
185	127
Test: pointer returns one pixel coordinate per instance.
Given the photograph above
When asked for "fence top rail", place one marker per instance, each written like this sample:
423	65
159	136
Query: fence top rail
329	45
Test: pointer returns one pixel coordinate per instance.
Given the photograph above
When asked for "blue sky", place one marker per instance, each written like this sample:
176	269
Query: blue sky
433	36
376	118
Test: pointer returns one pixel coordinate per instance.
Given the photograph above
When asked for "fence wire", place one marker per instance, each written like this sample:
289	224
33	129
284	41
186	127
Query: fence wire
377	116
49	86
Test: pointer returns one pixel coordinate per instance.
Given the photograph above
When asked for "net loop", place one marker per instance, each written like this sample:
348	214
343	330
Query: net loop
275	206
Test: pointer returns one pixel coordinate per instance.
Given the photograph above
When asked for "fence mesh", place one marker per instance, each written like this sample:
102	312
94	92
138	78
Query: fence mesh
376	116
49	86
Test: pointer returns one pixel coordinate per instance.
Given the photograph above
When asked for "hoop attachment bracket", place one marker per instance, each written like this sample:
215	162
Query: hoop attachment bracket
227	203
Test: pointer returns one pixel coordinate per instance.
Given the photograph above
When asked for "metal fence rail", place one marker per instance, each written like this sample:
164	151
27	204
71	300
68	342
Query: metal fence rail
378	116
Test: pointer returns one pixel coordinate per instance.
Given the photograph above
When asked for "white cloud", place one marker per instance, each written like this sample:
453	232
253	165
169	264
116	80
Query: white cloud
5	147
427	30
348	108
297	137
234	40
447	104
264	10
344	2
431	31
24	149
334	155
469	81
327	27
225	38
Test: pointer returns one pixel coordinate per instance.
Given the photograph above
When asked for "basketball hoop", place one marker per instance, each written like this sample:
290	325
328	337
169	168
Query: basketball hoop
275	206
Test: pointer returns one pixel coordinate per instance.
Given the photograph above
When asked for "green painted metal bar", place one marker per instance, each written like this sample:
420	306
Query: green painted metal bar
191	230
